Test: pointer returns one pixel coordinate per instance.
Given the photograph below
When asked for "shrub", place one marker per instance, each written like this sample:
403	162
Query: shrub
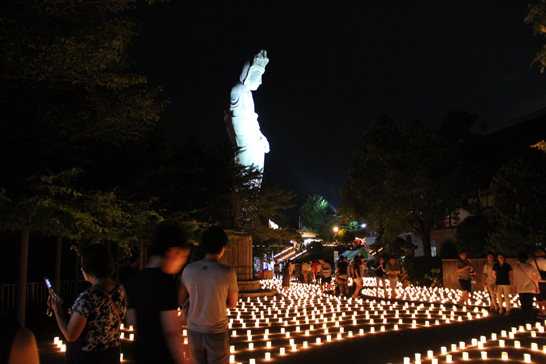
419	267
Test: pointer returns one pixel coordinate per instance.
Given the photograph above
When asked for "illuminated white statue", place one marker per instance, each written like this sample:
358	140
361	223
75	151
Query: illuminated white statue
241	119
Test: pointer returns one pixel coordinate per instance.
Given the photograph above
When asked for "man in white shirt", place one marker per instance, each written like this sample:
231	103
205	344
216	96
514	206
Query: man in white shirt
489	280
212	288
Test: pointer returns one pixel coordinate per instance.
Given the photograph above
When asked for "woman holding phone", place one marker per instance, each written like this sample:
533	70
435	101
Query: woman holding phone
93	328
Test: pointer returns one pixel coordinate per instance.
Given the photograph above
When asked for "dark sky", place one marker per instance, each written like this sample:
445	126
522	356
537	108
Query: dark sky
334	67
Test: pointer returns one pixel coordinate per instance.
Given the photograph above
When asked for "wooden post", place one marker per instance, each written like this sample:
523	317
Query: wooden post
141	256
58	250
22	283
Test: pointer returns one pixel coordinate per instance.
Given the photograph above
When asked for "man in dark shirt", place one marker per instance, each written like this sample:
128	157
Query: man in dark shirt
153	300
379	272
342	276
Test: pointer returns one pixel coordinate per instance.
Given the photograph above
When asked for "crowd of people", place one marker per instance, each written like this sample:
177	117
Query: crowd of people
527	279
337	278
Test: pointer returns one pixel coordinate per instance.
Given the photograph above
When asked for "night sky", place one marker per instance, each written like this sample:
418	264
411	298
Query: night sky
334	67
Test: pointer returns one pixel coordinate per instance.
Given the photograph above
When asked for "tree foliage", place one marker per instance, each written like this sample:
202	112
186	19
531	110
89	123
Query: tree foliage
53	205
313	212
518	217
537	17
471	236
261	204
314	216
410	180
345	236
65	82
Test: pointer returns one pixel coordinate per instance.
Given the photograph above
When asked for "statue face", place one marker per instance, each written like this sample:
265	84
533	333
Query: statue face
254	80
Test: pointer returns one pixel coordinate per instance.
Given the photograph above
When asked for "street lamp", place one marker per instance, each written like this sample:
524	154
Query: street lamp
336	229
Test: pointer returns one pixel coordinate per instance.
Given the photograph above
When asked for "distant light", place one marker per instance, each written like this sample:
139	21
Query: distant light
336	229
363	226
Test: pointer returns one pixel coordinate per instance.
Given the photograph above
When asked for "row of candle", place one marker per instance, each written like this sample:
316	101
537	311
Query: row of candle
415	293
334	312
494	343
278	322
62	347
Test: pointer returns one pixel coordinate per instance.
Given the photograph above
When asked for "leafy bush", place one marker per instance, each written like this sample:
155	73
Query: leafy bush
419	267
435	277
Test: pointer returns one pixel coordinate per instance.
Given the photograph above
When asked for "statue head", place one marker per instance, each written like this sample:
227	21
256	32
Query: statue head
252	72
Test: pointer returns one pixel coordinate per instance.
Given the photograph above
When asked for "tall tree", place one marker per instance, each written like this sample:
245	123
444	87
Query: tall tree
518	219
410	180
65	87
64	83
313	213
